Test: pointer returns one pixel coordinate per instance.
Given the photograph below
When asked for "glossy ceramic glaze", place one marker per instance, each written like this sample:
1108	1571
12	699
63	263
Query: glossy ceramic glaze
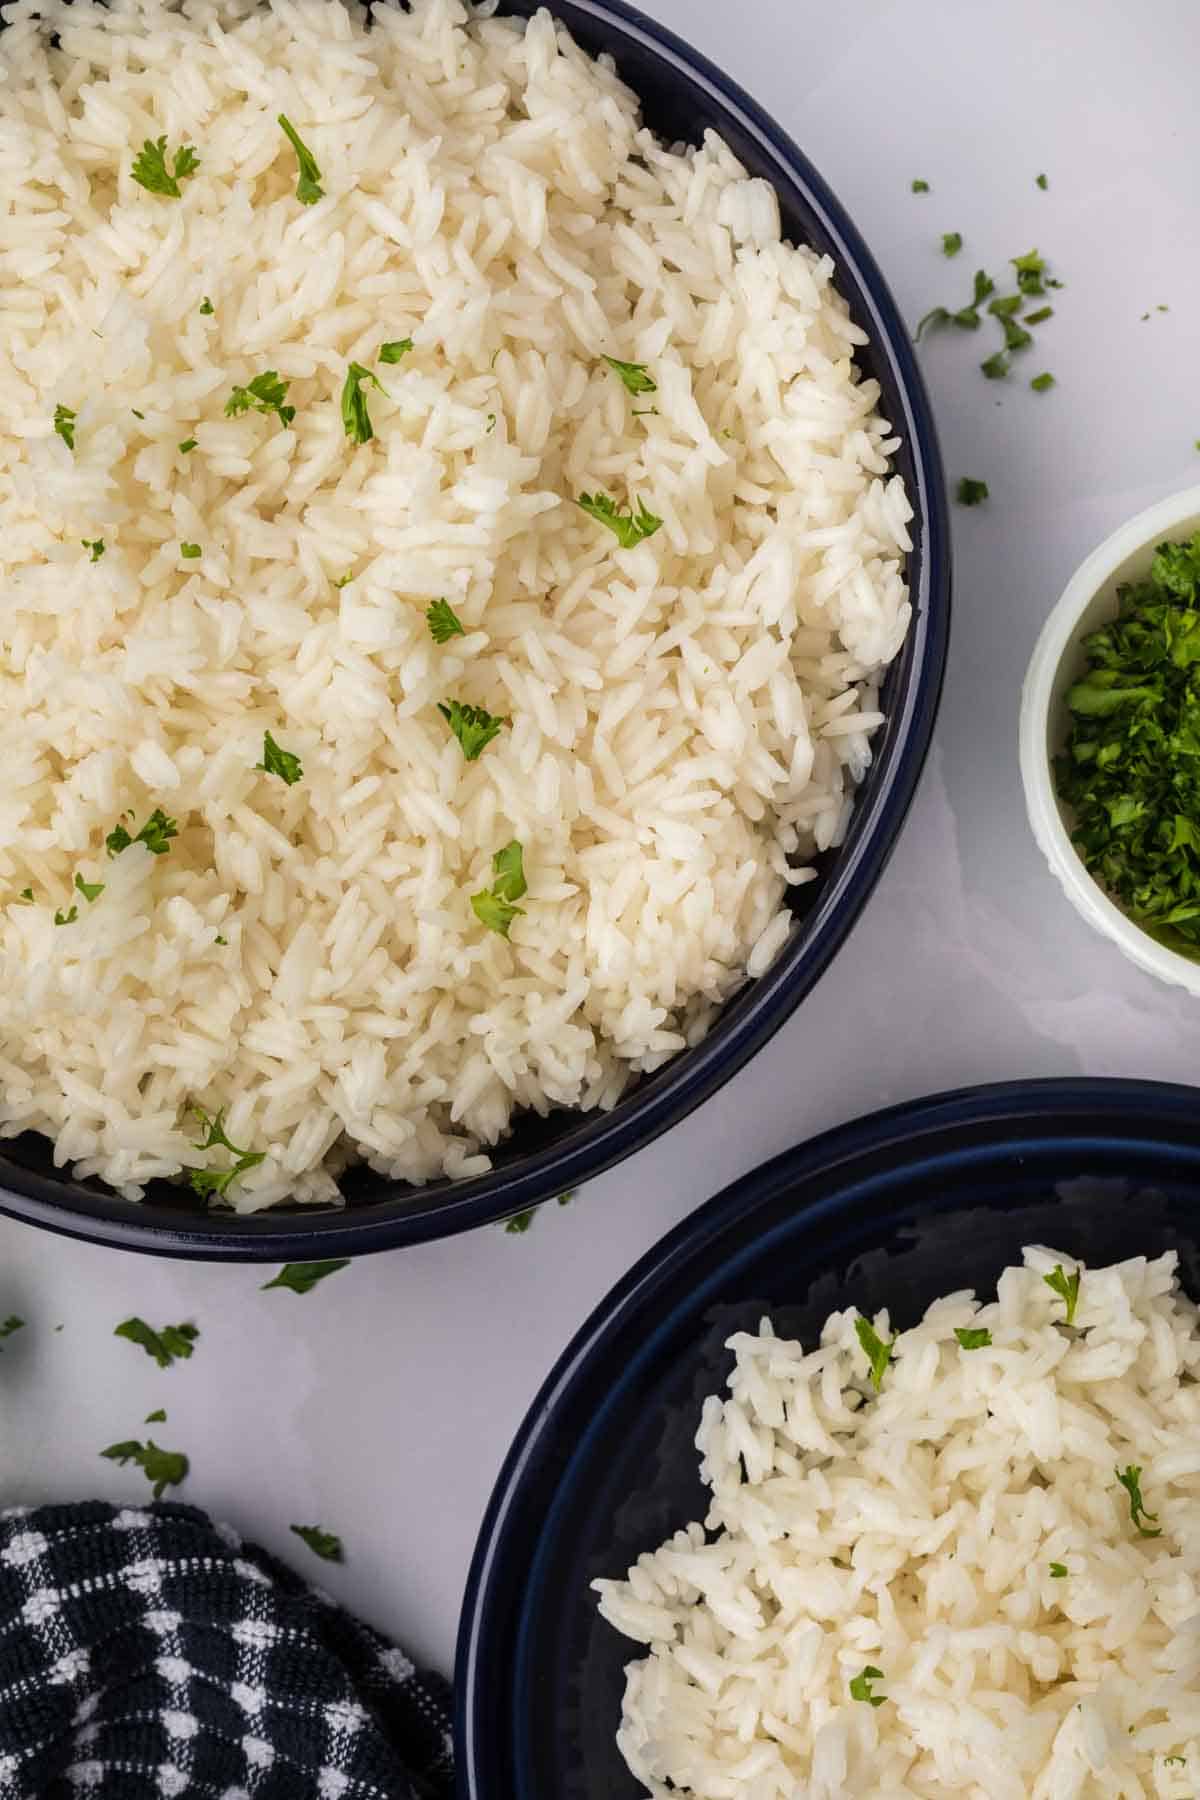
682	96
893	1211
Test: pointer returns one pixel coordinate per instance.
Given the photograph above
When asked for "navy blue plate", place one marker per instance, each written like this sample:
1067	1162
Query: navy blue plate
683	95
893	1211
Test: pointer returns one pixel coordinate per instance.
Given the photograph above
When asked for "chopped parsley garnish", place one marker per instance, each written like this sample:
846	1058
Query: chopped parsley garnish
95	545
265	394
861	1689
173	1343
393	352
302	1278
920	187
64	424
26	896
325	1544
973	1337
190	552
970	492
206	307
137	414
219	1181
996	366
277	761
520	1222
494	906
187	446
491	422
156	834
1004	305
1015	336
967	317
1040	316
220	940
628	527
1042	183
66	918
11	1324
91	890
473	726
157	1417
1057	1571
877	1353
164	1468
151	172
1066	1287
633	375
308	184
1031	272
951	243
1129	771
1040	383
1180	1761
444	623
355	417
1131	1480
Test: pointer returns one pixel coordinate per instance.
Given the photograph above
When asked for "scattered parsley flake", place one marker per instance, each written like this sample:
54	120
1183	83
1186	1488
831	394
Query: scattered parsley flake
1131	1480
920	187
96	546
220	940
1015	336
276	761
877	1353
219	1181
355	417
1031	271
206	307
173	1343
520	1222
1057	1571
973	1337
66	918
164	1468
1042	183
1066	1287
302	1278
11	1324
325	1544
150	169
971	492
1040	316
628	527
157	1417
190	552
473	726
951	243
494	906
91	890
1180	1761
137	414
491	422
64	424
996	366
1041	383
187	446
444	623
308	184
634	376
1004	305
393	352
26	896
860	1686
156	834
265	394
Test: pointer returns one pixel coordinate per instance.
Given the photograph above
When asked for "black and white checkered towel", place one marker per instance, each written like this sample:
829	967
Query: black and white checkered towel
147	1651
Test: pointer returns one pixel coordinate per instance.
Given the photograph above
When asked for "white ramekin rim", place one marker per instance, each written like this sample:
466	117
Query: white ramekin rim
1059	638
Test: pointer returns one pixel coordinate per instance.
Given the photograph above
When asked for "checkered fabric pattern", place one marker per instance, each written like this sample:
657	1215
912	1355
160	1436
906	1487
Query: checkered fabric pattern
147	1651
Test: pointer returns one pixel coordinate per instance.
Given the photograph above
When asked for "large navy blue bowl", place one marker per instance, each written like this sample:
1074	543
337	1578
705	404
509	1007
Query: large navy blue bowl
892	1211
683	95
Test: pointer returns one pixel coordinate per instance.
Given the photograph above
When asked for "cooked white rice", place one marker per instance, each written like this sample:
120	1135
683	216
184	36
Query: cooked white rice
914	1531
688	717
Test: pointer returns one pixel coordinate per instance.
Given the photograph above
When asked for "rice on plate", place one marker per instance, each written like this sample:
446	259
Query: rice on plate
448	558
963	1561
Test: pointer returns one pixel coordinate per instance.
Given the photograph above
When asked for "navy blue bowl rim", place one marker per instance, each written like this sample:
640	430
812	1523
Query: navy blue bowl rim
1018	1115
75	1209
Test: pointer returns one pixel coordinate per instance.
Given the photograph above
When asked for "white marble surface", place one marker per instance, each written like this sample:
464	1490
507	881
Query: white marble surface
382	1404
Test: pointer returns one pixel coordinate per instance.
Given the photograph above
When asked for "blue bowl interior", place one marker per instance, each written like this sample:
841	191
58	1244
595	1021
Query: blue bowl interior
683	96
893	1211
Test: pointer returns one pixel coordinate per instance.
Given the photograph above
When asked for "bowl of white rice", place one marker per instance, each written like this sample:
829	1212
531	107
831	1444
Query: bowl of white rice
475	589
880	1475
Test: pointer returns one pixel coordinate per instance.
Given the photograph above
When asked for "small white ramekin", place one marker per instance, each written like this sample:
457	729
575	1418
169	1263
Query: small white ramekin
1088	601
